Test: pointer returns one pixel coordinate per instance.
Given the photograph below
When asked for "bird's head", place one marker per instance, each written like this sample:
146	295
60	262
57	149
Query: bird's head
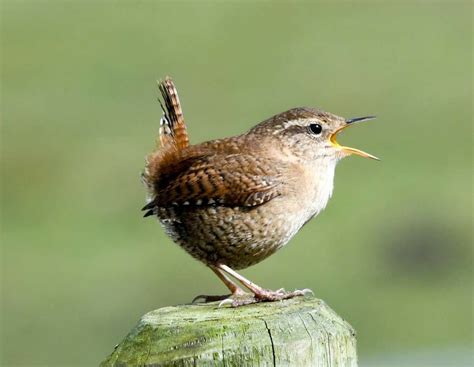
310	133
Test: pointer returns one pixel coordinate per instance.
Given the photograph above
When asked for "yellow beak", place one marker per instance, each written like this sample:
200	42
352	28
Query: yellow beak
349	150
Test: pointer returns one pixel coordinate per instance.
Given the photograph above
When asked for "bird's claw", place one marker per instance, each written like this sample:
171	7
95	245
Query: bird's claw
206	298
300	292
239	299
227	301
307	291
197	298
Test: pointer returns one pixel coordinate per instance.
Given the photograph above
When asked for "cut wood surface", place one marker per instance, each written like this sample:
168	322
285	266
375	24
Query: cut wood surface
295	332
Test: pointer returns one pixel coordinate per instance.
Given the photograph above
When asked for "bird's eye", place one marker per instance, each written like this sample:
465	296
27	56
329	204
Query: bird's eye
315	129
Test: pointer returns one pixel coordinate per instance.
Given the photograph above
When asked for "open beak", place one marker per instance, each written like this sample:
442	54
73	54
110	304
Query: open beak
348	150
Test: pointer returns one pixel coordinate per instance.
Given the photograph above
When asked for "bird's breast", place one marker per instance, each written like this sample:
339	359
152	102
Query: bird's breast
314	189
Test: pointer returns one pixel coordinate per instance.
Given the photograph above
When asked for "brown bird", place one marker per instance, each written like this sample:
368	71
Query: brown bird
233	202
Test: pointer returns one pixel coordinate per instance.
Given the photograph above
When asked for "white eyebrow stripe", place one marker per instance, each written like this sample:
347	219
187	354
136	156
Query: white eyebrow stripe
299	122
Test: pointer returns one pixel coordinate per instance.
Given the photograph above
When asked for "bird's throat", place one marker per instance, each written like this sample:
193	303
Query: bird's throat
322	184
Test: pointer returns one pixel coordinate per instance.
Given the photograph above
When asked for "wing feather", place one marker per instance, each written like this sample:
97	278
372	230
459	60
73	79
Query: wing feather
232	180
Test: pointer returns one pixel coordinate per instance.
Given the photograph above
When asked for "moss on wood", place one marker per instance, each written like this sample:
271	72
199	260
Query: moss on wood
295	332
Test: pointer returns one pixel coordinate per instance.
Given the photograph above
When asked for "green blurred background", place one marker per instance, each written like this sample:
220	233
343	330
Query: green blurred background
392	253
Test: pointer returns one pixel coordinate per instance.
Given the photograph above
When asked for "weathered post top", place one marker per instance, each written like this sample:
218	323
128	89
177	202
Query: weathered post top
294	332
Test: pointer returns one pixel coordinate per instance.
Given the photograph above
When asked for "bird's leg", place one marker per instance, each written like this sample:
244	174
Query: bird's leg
234	288
261	294
236	291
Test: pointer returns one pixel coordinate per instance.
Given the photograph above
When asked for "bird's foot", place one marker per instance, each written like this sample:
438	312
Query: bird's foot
237	294
203	298
237	300
263	295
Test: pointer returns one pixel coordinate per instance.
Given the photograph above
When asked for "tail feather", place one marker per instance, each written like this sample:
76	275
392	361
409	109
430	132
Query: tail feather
173	132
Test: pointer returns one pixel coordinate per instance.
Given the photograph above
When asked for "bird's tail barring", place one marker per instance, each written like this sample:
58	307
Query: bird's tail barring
173	132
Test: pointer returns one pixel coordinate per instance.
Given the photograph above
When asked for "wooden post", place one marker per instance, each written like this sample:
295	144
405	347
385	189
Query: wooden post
296	332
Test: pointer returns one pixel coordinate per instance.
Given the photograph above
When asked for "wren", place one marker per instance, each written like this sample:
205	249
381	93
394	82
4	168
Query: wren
233	202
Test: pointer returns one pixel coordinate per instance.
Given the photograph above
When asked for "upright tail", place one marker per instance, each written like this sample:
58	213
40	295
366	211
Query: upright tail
173	132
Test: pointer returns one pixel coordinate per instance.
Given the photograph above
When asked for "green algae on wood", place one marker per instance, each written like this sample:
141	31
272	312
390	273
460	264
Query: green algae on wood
295	332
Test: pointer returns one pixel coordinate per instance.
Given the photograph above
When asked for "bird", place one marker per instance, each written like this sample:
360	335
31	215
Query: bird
232	202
